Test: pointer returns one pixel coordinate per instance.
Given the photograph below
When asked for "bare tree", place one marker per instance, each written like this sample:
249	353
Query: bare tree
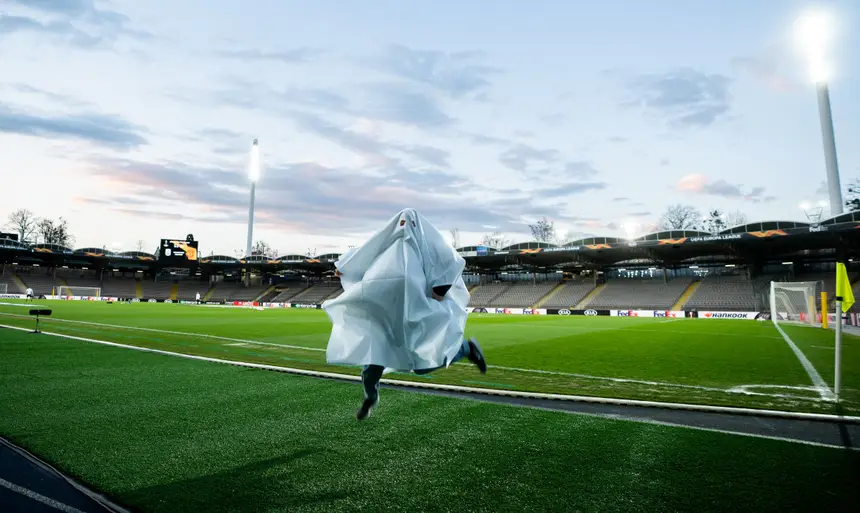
455	237
140	244
852	196
681	217
715	222
24	223
239	253
55	232
495	240
543	230
262	248
718	221
735	218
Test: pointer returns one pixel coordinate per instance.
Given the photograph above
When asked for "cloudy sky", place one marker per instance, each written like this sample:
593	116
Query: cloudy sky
133	119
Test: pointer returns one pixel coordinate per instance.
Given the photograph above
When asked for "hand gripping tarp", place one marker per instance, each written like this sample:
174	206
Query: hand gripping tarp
386	315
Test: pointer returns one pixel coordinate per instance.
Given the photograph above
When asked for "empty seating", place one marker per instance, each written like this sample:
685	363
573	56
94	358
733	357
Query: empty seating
644	294
571	293
235	291
483	295
11	287
157	289
523	294
188	289
731	293
40	283
316	293
116	287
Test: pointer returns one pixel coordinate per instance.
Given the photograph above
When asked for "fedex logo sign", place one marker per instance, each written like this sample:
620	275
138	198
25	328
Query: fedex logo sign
627	313
665	314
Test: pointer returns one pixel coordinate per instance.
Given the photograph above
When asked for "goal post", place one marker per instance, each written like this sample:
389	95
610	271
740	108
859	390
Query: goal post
4	288
64	291
794	302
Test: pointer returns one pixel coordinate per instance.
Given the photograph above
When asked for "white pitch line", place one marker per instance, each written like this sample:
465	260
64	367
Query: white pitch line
169	332
479	391
817	380
241	342
39	497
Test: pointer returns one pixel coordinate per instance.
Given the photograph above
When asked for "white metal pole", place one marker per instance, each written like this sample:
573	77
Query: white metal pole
829	140
837	379
250	235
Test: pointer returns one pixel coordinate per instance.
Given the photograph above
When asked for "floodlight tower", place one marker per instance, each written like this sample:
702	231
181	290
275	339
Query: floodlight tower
814	31
253	176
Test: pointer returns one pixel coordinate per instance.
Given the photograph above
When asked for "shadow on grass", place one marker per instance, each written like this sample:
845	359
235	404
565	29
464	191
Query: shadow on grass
263	485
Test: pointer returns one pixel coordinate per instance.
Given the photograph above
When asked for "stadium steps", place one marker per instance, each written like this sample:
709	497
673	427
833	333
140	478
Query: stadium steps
549	294
209	292
174	291
267	294
17	280
679	305
64	282
138	289
591	296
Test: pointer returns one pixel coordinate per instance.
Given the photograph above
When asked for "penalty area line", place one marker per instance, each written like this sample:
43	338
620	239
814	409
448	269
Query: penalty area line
478	391
817	380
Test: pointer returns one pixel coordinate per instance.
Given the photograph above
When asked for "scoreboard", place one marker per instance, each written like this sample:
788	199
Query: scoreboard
178	252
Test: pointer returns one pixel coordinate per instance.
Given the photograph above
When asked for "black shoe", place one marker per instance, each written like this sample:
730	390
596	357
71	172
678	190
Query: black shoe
476	355
366	408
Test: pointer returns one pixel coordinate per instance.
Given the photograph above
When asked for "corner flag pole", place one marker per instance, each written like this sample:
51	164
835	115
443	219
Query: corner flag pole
837	379
844	301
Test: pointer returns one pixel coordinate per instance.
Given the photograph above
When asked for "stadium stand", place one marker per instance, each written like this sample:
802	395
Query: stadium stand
288	293
316	293
8	279
731	293
115	287
40	282
157	289
188	289
235	291
570	294
523	294
483	295
644	294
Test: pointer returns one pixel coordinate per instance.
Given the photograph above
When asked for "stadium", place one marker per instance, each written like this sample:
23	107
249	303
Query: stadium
656	329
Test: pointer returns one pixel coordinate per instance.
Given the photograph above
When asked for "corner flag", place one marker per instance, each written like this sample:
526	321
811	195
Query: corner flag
843	287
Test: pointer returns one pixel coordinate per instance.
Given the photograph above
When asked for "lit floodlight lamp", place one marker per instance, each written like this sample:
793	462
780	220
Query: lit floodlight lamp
813	32
630	230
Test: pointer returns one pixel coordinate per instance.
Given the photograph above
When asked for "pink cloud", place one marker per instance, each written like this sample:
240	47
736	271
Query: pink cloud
692	183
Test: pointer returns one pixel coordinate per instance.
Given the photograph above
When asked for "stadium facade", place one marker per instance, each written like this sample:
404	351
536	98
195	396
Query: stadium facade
672	271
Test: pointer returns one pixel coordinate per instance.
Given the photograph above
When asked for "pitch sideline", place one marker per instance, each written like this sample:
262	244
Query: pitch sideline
483	391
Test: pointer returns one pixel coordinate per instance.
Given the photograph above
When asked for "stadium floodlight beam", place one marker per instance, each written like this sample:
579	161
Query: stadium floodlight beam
814	34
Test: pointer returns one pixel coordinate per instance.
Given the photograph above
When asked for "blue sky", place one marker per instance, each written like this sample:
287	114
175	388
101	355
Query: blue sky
133	119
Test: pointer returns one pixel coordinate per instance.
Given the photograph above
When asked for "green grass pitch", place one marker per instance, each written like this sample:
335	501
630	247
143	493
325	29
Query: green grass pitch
167	434
716	362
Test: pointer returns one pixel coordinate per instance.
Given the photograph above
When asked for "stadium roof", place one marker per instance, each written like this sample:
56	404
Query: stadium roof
769	239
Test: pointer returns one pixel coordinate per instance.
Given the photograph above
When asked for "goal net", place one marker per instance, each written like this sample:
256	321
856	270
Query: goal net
64	291
794	302
4	288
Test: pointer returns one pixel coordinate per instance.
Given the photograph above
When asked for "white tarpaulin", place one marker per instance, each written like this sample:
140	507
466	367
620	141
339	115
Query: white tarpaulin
386	315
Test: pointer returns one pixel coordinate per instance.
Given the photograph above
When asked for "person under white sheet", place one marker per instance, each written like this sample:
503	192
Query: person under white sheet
403	305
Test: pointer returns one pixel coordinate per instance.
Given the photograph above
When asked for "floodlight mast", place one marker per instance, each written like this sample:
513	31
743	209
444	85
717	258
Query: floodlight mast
253	176
814	32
